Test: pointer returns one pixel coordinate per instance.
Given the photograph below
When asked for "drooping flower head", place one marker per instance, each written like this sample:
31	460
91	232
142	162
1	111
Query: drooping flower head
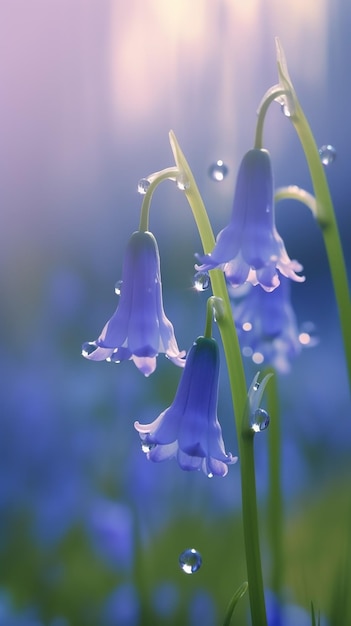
249	248
267	327
189	429
139	329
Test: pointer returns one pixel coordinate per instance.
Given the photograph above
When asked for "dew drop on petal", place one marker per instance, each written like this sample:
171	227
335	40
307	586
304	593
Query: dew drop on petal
218	171
118	287
88	348
190	561
327	154
201	281
182	182
147	447
143	186
259	420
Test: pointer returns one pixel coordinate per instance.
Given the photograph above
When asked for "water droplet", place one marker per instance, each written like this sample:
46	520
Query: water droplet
327	154
88	348
285	109
284	105
190	561
201	281
147	447
218	171
259	420
182	182
118	287
256	386
143	186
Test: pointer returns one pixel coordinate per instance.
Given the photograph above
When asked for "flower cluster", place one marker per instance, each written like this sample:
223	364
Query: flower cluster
248	249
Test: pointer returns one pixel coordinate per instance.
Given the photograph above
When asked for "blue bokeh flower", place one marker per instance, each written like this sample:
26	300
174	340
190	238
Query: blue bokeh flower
249	248
110	527
139	329
121	607
189	429
267	327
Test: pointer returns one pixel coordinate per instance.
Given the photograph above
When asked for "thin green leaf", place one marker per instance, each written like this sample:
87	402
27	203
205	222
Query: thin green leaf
240	592
313	615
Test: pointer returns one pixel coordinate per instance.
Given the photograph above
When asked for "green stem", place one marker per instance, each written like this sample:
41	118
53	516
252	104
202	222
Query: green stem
292	192
268	98
324	210
327	221
239	397
170	173
275	498
214	309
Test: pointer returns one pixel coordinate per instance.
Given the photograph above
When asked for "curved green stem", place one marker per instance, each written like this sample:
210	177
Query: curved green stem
327	221
170	173
239	397
292	192
324	206
272	94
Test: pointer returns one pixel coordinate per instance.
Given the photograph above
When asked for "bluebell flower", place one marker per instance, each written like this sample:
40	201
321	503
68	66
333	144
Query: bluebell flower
249	248
267	326
139	329
189	429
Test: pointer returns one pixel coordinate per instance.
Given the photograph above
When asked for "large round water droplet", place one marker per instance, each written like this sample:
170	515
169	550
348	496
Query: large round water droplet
259	420
327	154
118	287
190	561
88	348
201	281
218	171
143	186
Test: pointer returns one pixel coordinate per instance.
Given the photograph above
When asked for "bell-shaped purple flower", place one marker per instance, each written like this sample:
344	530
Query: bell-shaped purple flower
267	327
139	329
189	429
249	248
